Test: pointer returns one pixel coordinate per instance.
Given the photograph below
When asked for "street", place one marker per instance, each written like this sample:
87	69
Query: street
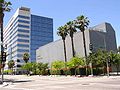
22	82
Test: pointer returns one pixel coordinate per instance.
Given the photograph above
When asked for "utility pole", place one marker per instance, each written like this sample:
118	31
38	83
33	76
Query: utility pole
91	50
107	62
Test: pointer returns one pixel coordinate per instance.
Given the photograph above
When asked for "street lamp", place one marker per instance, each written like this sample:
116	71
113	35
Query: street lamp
101	33
91	49
107	62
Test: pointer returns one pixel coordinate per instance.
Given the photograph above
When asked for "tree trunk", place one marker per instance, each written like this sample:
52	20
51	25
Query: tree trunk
1	30
117	67
85	49
26	60
73	50
65	51
65	54
75	72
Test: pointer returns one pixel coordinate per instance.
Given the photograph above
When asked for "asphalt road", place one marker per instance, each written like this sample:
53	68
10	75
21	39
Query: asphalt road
18	82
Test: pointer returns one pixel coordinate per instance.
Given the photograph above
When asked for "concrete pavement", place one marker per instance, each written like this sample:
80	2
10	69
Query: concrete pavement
21	82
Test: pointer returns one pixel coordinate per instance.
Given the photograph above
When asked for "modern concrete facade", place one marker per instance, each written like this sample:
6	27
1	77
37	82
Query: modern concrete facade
101	36
24	33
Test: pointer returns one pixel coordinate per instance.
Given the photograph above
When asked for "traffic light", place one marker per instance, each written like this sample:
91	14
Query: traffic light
4	56
91	46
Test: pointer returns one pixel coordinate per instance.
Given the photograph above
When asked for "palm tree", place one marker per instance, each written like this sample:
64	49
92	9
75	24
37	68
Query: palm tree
71	30
11	64
26	57
62	31
4	6
82	23
115	60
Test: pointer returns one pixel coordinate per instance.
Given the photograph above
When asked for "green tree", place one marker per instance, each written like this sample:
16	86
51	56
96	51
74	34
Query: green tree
39	68
4	7
34	68
75	62
26	57
62	31
98	59
57	65
42	68
45	68
71	30
115	60
28	67
82	23
11	64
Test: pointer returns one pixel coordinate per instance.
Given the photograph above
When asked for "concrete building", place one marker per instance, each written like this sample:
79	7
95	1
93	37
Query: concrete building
25	33
101	36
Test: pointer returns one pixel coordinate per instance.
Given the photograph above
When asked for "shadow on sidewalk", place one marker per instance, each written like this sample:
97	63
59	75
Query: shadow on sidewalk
20	81
15	81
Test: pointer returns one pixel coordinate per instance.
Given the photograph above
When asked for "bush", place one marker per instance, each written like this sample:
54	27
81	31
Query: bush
97	71
8	72
55	72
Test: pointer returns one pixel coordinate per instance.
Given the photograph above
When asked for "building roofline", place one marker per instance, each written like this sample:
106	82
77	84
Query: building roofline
42	16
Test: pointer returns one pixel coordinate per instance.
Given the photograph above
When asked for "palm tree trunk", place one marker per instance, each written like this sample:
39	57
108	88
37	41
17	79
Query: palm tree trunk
65	54
73	50
1	30
85	50
64	51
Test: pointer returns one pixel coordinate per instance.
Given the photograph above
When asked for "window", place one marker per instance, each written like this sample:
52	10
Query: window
23	26
22	30
21	35
22	45
22	40
23	21
25	17
22	50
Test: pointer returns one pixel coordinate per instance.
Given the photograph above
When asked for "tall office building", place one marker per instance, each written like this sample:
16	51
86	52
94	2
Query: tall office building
24	33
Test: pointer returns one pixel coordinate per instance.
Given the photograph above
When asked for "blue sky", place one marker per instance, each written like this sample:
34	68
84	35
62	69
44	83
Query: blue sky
62	11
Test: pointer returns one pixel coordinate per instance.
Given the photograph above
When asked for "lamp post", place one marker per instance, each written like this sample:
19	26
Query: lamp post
107	67
107	62
101	33
91	49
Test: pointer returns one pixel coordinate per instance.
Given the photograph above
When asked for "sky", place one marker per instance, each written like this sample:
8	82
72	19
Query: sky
62	11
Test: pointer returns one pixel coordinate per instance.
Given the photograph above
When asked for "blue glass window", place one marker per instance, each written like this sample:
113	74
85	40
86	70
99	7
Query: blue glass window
22	40
22	45
24	26
21	30
25	17
21	35
22	50
23	21
19	55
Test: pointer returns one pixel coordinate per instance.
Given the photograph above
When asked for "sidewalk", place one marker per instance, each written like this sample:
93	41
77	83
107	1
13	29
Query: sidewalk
22	82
